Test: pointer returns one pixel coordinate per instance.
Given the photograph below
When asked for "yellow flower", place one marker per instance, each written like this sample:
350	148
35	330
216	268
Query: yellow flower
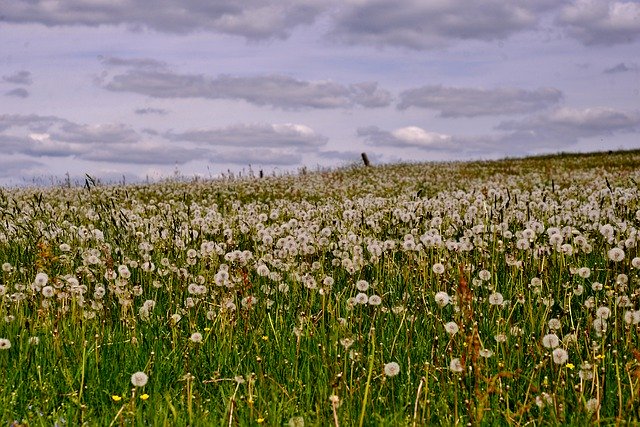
265	338
144	396
260	420
116	398
570	365
600	356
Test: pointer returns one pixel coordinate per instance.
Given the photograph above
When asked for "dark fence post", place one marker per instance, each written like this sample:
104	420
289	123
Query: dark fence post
365	159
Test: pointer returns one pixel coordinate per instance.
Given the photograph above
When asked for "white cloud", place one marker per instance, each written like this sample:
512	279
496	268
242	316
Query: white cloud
405	137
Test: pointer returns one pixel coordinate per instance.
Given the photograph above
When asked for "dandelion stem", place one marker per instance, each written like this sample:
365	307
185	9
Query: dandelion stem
369	375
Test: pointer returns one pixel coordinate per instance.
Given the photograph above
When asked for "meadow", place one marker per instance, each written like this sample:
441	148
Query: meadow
476	293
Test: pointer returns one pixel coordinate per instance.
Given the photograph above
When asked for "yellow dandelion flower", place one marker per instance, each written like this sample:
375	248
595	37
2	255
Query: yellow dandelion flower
144	396
265	338
116	398
260	420
570	365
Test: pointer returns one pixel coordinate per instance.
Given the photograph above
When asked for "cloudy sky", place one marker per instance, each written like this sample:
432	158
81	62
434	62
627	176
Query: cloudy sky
142	88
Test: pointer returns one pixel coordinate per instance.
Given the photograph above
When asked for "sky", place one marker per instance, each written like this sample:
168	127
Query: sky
135	90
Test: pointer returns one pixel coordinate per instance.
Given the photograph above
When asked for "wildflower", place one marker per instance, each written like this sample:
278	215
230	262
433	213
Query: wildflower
391	369
262	270
260	420
451	328
550	341
5	344
570	365
592	405
144	396
484	275
362	285
456	365
48	291
116	398
335	400
596	286
442	298
139	379
41	279
600	326
496	298
500	337
438	268
296	422
560	356
635	263
603	312
584	272
632	317
196	337
375	300
616	254
361	298
346	342
34	340
554	324
486	353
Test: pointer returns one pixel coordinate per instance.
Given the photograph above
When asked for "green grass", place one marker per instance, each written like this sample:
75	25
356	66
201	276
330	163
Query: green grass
302	350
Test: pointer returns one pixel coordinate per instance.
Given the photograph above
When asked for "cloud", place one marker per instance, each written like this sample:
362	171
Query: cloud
252	19
568	125
149	63
602	22
14	168
18	93
287	135
471	102
273	90
419	24
620	68
150	110
96	134
406	137
22	77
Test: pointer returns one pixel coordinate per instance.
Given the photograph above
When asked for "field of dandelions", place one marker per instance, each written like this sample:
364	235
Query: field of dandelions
476	293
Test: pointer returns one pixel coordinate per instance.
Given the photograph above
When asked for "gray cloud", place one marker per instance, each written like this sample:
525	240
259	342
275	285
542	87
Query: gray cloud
419	24
252	19
620	68
18	168
22	77
18	93
288	135
113	61
147	153
567	125
95	134
602	22
33	122
273	90
471	102
150	110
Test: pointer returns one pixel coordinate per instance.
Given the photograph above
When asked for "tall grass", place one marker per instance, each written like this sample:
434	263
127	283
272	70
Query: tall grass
287	301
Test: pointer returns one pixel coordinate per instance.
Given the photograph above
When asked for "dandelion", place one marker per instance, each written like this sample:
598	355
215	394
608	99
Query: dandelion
451	328
262	270
116	398
196	337
438	268
550	341
592	405
456	365
48	291
603	312
41	279
361	298
484	275
362	285
554	324
560	356
34	340
616	254
144	396
635	263
632	317
139	379
600	326
346	342
486	353
442	298
296	422
5	344
375	300
584	272
496	298
596	286
391	369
